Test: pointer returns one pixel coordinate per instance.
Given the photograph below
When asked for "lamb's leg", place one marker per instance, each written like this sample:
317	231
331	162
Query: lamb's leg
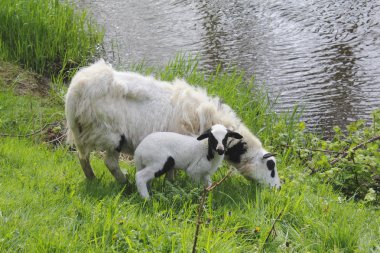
207	180
143	177
86	167
112	163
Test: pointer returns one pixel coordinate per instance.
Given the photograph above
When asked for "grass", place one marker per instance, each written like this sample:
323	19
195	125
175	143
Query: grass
47	205
47	36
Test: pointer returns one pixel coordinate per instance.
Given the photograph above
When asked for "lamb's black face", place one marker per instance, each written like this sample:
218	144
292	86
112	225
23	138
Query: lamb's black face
217	139
213	144
215	135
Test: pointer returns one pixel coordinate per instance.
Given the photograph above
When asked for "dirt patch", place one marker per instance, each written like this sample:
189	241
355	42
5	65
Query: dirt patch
22	81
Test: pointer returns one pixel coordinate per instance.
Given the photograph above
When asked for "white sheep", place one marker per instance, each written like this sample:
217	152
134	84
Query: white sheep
161	152
114	111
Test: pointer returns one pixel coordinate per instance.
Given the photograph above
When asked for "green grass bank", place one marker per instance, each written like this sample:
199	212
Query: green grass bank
47	205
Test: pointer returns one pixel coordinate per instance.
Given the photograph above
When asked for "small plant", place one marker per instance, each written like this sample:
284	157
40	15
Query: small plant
350	161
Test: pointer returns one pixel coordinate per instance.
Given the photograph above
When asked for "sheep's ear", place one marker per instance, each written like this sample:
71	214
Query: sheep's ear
234	135
267	155
204	135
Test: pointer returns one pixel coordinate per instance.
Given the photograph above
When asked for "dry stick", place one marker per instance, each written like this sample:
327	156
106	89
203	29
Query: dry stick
272	228
345	153
210	188
30	134
200	207
57	139
314	149
200	211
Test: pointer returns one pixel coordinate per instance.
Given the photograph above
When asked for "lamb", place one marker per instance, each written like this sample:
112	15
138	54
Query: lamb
114	111
161	152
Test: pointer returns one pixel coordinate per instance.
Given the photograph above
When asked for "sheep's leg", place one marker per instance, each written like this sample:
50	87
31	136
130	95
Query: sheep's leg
143	177
170	175
84	159
112	163
86	167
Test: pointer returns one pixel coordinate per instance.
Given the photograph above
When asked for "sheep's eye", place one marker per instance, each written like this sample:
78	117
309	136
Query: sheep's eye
271	164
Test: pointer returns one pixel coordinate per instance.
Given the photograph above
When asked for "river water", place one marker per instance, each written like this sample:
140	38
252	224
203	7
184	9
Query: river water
322	55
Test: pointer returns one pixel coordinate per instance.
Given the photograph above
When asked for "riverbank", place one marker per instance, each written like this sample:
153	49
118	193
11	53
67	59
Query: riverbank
328	203
46	203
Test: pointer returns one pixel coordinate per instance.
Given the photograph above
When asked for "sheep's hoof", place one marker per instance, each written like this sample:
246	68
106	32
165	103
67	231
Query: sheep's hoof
120	177
90	177
145	198
122	180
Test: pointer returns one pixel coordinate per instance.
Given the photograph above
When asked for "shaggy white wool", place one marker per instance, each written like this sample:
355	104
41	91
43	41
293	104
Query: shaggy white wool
162	152
103	105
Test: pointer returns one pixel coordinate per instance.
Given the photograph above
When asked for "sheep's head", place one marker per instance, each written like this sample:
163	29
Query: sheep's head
263	169
258	165
217	139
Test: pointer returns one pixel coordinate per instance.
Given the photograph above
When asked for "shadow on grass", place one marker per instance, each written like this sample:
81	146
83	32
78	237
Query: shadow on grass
99	188
235	192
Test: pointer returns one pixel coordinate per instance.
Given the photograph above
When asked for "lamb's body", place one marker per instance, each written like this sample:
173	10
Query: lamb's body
114	111
184	152
187	152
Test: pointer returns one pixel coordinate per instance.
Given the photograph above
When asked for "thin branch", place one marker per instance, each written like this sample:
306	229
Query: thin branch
206	190
273	225
361	145
57	139
345	153
315	149
200	211
32	133
211	187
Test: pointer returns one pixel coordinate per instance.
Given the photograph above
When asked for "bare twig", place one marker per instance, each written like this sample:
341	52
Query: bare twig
211	187
361	145
206	190
199	217
342	154
314	149
32	133
57	139
273	226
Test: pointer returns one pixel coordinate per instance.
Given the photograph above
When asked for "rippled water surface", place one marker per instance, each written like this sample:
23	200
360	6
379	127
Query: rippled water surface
323	55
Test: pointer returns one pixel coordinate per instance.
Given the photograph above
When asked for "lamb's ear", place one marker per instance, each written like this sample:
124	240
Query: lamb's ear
205	135
234	135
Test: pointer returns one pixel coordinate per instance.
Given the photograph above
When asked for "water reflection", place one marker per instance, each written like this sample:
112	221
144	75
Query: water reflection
324	55
213	37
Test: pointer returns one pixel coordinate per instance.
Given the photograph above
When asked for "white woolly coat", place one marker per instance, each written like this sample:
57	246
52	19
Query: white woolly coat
102	104
188	153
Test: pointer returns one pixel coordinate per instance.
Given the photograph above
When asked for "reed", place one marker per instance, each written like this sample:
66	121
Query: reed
47	36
